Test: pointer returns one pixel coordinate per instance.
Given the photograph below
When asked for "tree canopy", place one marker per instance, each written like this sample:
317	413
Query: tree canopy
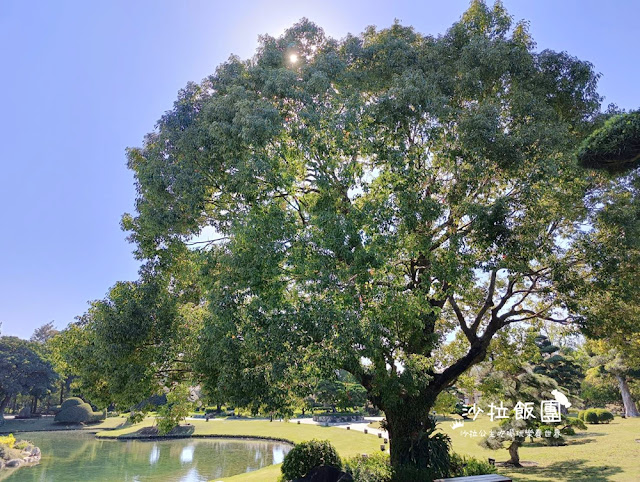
372	198
23	371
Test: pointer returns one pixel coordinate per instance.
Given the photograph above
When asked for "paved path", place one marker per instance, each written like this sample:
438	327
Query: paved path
359	426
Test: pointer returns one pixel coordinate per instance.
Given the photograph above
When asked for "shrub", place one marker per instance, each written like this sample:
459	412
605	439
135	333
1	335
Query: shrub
604	416
374	468
308	455
581	415
552	441
462	466
591	416
413	474
8	440
78	413
22	445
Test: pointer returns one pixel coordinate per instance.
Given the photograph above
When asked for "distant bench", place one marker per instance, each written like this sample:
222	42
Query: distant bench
477	478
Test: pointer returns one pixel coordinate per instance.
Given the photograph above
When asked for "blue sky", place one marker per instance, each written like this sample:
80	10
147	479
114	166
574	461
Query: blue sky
80	81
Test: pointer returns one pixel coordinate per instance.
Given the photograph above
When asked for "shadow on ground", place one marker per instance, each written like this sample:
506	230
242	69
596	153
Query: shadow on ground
179	431
569	471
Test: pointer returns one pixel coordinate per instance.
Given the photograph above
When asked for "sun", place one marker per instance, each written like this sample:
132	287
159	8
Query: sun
293	58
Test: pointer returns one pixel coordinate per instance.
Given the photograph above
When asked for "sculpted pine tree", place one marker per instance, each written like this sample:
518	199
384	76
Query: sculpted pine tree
370	197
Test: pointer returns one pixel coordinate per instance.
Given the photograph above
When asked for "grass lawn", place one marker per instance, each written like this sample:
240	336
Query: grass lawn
348	443
47	424
604	452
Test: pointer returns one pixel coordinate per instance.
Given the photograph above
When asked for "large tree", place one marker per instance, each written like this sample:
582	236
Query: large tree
370	197
602	284
23	371
610	361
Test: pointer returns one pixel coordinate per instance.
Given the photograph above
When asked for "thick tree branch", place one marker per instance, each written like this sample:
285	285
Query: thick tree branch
488	301
468	332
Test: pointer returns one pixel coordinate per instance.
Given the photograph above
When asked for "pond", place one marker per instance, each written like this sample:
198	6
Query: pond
73	456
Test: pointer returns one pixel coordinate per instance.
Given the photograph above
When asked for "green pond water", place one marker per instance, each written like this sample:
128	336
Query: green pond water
74	457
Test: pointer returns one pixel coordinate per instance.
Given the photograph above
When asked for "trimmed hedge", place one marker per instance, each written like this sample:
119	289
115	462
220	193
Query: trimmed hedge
595	415
590	416
308	455
604	416
71	402
74	412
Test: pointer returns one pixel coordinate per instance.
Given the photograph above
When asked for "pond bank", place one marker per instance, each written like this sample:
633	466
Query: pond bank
19	455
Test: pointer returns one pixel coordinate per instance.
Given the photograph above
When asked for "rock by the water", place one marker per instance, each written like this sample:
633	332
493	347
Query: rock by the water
326	473
30	455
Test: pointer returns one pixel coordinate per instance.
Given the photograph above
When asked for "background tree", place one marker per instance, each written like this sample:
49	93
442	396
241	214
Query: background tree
612	364
602	285
23	371
558	364
342	392
60	348
43	334
370	196
179	403
509	380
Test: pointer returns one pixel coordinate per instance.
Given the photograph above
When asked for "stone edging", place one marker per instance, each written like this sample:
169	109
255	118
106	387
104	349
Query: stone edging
30	455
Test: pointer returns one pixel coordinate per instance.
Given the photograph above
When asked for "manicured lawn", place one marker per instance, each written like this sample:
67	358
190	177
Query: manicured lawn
47	424
601	453
348	443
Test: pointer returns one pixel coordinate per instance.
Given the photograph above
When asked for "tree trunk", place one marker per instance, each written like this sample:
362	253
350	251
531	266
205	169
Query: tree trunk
3	405
513	452
410	427
62	383
630	408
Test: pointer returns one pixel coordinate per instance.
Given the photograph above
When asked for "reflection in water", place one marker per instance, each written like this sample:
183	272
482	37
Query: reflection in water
73	456
186	456
278	453
154	455
192	476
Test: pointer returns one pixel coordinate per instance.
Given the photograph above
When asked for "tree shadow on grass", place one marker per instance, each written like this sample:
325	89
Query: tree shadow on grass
570	471
153	432
581	441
